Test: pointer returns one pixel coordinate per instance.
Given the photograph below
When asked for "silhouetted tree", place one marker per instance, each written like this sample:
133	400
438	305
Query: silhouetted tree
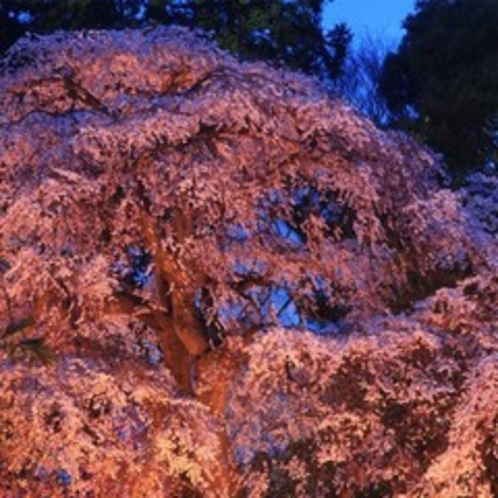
286	32
360	80
442	82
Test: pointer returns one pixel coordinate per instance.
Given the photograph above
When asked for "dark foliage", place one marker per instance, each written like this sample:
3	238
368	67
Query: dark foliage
284	32
442	82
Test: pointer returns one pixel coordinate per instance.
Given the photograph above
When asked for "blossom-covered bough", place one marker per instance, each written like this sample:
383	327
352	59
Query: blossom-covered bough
215	280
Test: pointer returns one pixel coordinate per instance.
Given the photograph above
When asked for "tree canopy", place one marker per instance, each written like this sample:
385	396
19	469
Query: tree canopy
286	32
442	81
216	281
